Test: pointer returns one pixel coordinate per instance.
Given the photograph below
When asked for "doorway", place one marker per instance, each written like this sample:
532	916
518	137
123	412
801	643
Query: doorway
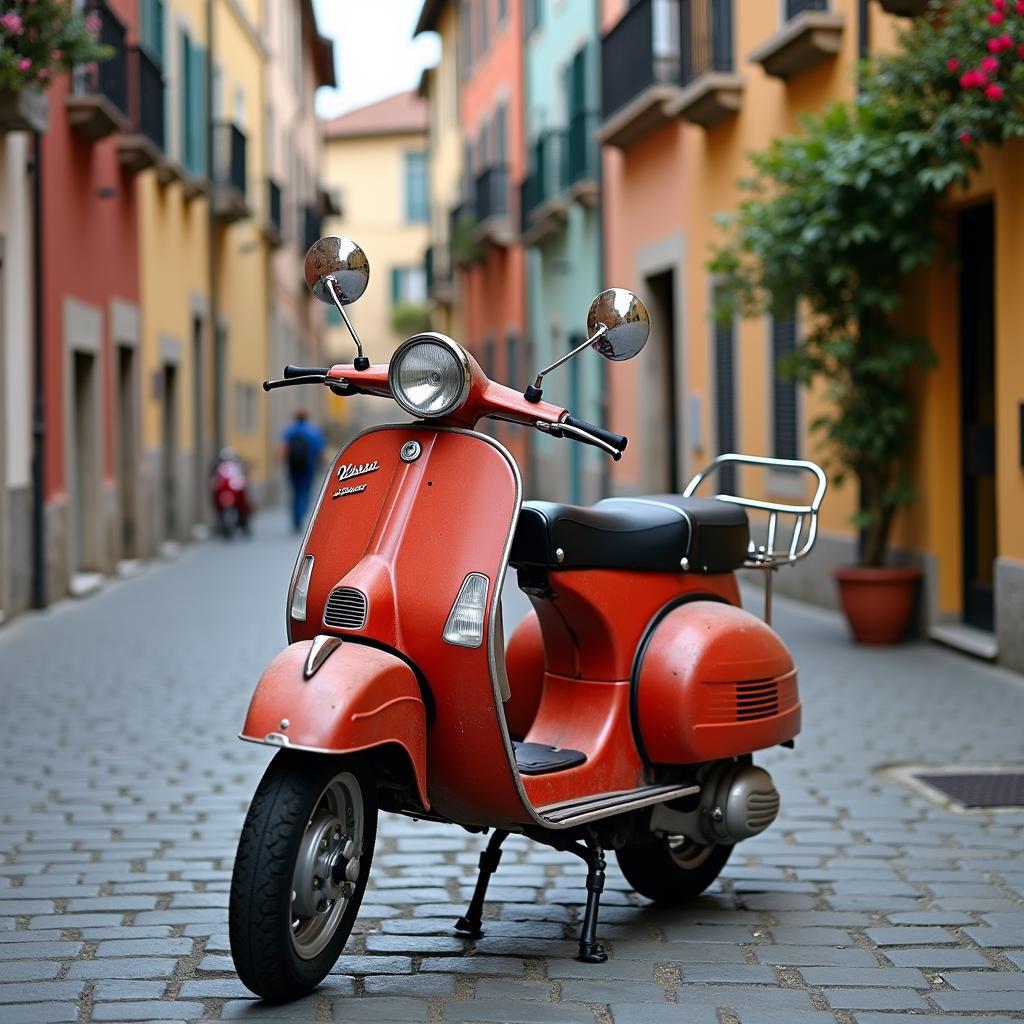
127	456
85	468
977	413
169	461
662	416
200	463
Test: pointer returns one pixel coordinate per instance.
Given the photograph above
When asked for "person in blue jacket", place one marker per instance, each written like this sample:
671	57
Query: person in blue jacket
302	446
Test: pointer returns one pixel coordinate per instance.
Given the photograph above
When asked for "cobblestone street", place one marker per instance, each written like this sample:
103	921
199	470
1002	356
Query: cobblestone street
124	788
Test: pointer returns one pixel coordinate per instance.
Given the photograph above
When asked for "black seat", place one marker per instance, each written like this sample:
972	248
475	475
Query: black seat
653	533
540	759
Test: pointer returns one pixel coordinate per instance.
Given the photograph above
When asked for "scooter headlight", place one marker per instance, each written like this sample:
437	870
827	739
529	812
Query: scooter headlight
429	376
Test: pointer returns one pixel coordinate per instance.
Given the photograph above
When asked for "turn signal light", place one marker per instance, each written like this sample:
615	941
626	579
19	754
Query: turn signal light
298	609
465	626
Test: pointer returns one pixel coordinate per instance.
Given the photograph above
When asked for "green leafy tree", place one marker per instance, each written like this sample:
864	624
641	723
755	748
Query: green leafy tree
838	215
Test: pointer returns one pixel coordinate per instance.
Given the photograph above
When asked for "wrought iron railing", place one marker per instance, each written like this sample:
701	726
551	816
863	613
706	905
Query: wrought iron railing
707	37
640	51
108	78
274	206
230	146
491	199
549	172
146	96
795	7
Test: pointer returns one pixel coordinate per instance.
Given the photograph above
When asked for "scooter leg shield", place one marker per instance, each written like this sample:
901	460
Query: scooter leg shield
355	698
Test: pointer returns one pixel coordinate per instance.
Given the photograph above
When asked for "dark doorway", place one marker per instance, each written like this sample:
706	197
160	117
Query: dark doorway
85	463
977	412
169	460
663	416
127	456
201	463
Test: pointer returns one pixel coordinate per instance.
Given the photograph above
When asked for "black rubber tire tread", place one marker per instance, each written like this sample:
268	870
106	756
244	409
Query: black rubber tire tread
651	870
259	914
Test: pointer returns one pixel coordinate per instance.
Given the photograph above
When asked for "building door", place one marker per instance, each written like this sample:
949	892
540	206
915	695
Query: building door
977	412
85	465
169	461
127	455
662	418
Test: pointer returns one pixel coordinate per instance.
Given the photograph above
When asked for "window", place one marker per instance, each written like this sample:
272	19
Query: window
417	204
193	105
784	424
408	284
151	33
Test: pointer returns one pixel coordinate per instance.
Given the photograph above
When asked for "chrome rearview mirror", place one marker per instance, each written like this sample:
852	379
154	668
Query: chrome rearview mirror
618	324
337	273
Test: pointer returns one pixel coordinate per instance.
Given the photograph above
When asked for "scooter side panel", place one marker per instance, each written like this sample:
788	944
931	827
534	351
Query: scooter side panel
359	698
406	540
715	682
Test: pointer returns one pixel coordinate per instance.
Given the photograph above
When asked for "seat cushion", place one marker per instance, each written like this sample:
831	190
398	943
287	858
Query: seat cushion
649	534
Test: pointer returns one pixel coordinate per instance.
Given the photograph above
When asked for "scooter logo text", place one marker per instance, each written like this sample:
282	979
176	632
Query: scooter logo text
346	472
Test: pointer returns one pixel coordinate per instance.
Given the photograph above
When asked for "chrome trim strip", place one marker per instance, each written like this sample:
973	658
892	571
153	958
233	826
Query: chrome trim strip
606	804
320	650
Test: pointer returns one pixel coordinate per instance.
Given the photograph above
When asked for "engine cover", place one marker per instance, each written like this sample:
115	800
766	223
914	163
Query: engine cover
713	682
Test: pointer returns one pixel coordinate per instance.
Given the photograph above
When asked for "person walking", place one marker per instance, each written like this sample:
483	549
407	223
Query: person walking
302	445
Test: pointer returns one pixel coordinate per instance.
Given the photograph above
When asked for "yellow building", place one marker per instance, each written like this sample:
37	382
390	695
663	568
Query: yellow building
439	86
684	131
376	162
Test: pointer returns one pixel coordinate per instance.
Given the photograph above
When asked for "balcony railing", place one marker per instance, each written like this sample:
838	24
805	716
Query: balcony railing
98	104
229	164
143	145
795	7
492	193
583	155
706	38
543	198
641	51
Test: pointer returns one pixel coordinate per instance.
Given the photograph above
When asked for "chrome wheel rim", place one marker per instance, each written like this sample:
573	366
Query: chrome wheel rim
687	854
327	866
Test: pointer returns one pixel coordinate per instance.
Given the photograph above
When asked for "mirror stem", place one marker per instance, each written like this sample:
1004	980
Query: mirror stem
535	390
360	362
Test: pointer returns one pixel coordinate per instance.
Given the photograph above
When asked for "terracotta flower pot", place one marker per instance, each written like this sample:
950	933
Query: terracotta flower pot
878	603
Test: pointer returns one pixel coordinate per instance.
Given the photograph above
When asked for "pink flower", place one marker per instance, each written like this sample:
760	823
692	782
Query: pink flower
999	43
996	18
24	64
966	138
43	75
999	5
994	92
11	24
92	23
1020	7
973	79
952	65
990	64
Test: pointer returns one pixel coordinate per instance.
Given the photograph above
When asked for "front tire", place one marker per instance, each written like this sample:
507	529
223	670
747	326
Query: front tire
301	868
671	870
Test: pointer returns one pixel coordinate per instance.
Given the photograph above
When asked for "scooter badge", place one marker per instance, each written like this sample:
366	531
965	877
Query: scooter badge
346	472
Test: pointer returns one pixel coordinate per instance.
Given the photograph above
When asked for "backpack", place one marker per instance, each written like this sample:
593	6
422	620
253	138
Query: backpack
298	453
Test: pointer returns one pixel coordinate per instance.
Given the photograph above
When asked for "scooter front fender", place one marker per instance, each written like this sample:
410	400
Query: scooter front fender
357	699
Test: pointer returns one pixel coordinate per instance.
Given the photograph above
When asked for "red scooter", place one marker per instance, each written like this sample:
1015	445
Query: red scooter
622	714
230	494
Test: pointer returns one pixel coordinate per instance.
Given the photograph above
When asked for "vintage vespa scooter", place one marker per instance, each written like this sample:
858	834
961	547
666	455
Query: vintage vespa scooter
622	715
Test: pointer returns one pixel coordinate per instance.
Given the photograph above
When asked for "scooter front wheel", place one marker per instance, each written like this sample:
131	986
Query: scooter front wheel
301	868
671	869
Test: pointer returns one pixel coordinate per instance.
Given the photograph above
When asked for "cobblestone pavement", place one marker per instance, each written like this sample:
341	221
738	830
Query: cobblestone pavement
123	790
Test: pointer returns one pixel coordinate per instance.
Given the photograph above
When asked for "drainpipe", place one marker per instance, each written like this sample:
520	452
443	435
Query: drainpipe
602	270
211	167
39	394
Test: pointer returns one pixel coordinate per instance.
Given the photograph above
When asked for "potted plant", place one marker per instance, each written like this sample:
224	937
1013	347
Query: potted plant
38	40
837	217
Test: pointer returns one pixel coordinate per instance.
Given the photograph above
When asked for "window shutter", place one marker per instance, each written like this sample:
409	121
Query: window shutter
185	98
785	425
197	113
578	83
725	401
396	285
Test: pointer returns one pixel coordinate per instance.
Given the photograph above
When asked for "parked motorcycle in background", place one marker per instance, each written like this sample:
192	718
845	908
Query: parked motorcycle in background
229	490
623	714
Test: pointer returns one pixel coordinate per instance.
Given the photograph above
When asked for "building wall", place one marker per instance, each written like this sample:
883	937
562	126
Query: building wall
369	173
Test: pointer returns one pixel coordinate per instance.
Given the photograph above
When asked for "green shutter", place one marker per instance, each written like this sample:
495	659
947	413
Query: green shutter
396	285
197	110
185	93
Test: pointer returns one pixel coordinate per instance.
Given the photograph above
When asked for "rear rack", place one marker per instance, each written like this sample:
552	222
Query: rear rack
769	556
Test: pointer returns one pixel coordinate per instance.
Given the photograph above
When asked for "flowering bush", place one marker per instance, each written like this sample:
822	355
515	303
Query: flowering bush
41	38
838	215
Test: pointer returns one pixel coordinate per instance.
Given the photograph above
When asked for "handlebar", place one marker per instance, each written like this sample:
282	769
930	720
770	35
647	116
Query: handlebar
305	371
617	441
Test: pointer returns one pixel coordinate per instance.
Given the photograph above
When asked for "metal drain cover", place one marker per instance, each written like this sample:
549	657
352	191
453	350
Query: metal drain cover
979	789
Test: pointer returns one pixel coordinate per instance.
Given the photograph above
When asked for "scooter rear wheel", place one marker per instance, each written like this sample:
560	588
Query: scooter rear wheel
672	869
300	872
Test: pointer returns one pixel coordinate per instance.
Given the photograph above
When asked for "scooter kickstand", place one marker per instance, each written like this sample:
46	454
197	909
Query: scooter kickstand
591	951
489	860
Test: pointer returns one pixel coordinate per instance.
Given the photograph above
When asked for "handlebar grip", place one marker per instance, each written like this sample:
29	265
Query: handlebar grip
305	371
617	441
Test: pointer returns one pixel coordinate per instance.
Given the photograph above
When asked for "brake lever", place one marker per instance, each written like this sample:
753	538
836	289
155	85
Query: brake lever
311	378
566	430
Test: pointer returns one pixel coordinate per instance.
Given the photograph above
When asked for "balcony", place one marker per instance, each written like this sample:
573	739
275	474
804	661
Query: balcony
640	72
273	230
491	194
584	159
462	244
711	90
812	34
544	200
143	145
904	8
229	168
98	104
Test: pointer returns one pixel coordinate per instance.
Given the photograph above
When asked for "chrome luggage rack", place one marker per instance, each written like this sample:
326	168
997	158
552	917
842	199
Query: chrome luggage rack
769	556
